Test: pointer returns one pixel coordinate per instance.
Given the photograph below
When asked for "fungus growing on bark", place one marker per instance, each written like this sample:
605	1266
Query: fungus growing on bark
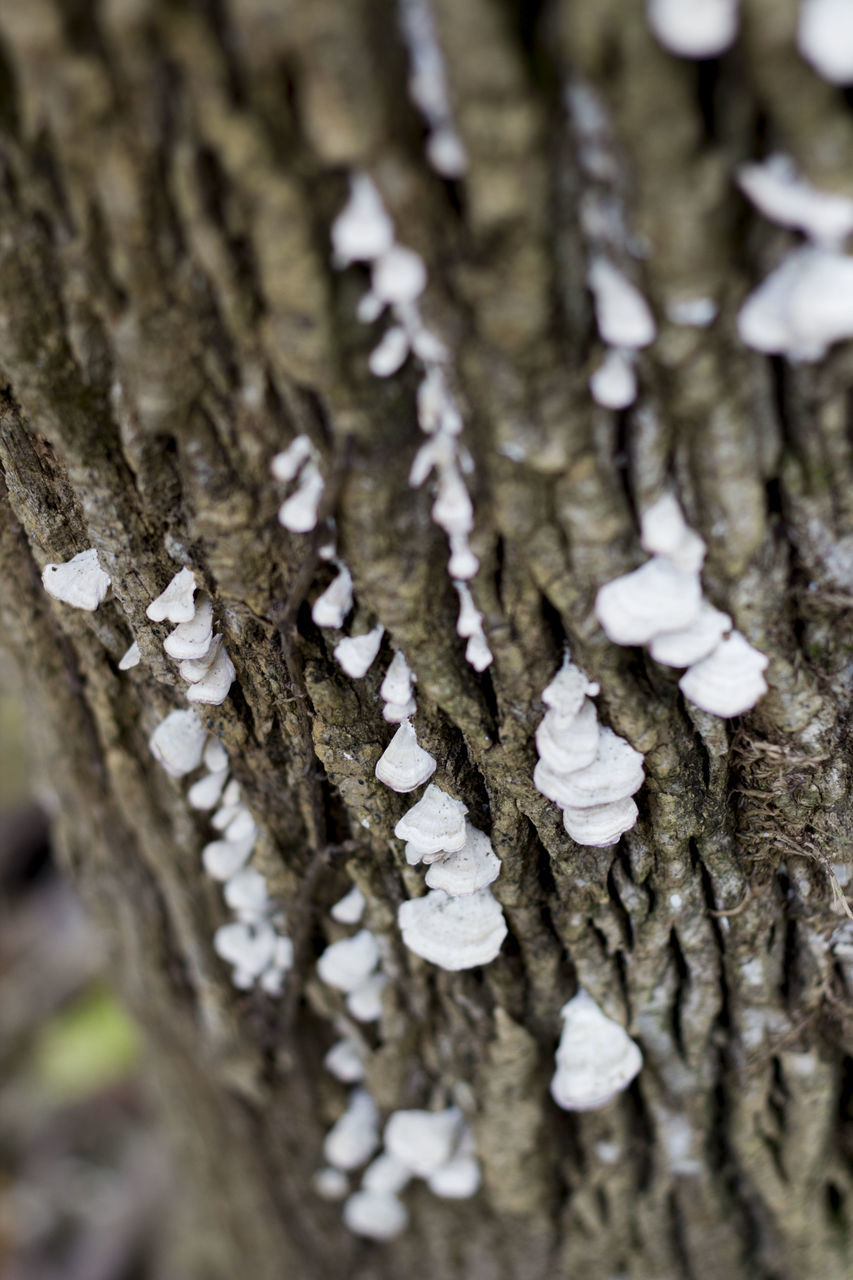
403	765
205	793
621	312
330	608
131	658
729	681
428	88
80	581
211	677
782	194
700	29
248	947
350	909
191	641
600	825
331	1184
566	743
364	1002
469	869
656	597
345	964
215	756
298	513
390	355
362	230
614	383
825	38
353	1139
453	933
665	532
285	466
682	648
175	603
423	1141
803	307
615	773
386	1173
355	654
345	1061
399	275
596	1058
379	1215
246	894
436	824
178	742
221	859
460	1178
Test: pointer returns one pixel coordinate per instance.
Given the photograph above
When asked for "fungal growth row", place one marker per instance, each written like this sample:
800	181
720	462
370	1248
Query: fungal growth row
428	88
588	771
364	232
660	605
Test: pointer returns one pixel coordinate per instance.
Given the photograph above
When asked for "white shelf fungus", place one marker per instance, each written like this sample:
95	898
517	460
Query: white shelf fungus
436	824
694	28
614	383
397	685
362	230
356	654
784	196
621	312
299	512
729	681
221	859
682	648
568	743
345	1061
286	465
453	933
350	909
80	581
656	597
399	275
825	38
463	564
403	765
460	1178
178	743
470	869
131	658
477	652
615	773
192	640
567	691
390	355
345	964
379	1215
364	1003
803	307
665	532
354	1138
334	604
213	684
423	1140
600	825
331	1184
215	756
175	604
247	947
596	1058
246	893
205	793
386	1173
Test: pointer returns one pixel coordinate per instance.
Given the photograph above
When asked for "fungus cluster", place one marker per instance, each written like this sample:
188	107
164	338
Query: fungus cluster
202	658
364	232
825	38
428	88
588	771
701	29
80	581
299	463
660	605
596	1058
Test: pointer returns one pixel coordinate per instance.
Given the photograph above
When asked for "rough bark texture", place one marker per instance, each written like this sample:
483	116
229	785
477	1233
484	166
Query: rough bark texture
169	320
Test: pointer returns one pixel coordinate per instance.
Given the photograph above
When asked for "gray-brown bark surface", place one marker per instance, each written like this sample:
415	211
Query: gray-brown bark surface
169	319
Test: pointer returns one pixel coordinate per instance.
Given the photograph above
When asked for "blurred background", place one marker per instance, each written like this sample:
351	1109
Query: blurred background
83	1174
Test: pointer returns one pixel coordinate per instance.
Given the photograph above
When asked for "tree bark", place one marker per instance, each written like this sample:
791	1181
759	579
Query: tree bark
170	319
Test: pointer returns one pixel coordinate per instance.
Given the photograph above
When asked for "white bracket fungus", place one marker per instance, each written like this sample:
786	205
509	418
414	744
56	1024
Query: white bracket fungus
364	1002
403	765
80	581
729	681
803	307
469	869
600	825
665	532
175	604
435	825
354	1138
362	230
356	654
350	909
656	597
682	648
399	275
178	742
215	756
784	196
345	964
248	947
423	1141
345	1061
299	512
246	894
566	743
386	1173
131	658
222	859
205	793
616	772
390	355
211	678
596	1058
699	29
286	465
396	691
379	1215
334	604
428	88
614	383
331	1184
825	38
190	641
621	312
453	933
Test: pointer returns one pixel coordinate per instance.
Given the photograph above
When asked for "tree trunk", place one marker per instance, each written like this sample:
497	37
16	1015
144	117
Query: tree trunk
170	320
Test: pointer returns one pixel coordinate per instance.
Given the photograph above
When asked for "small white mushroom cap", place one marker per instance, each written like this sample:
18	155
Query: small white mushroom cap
396	712
453	933
390	354
601	825
803	307
193	639
452	510
470	620
205	793
386	1173
345	964
472	868
399	275
463	564
436	824
682	648
350	909
286	465
446	152
299	512
334	604
397	685
478	653
403	765
616	772
423	1140
621	311
379	1215
459	1179
656	597
213	687
175	604
231	794
365	1002
665	532
825	38
784	196
614	383
249	948
331	1184
699	29
356	654
345	1061
80	581
596	1058
131	658
567	691
222	859
178	742
354	1138
729	681
568	745
246	892
362	230
215	756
